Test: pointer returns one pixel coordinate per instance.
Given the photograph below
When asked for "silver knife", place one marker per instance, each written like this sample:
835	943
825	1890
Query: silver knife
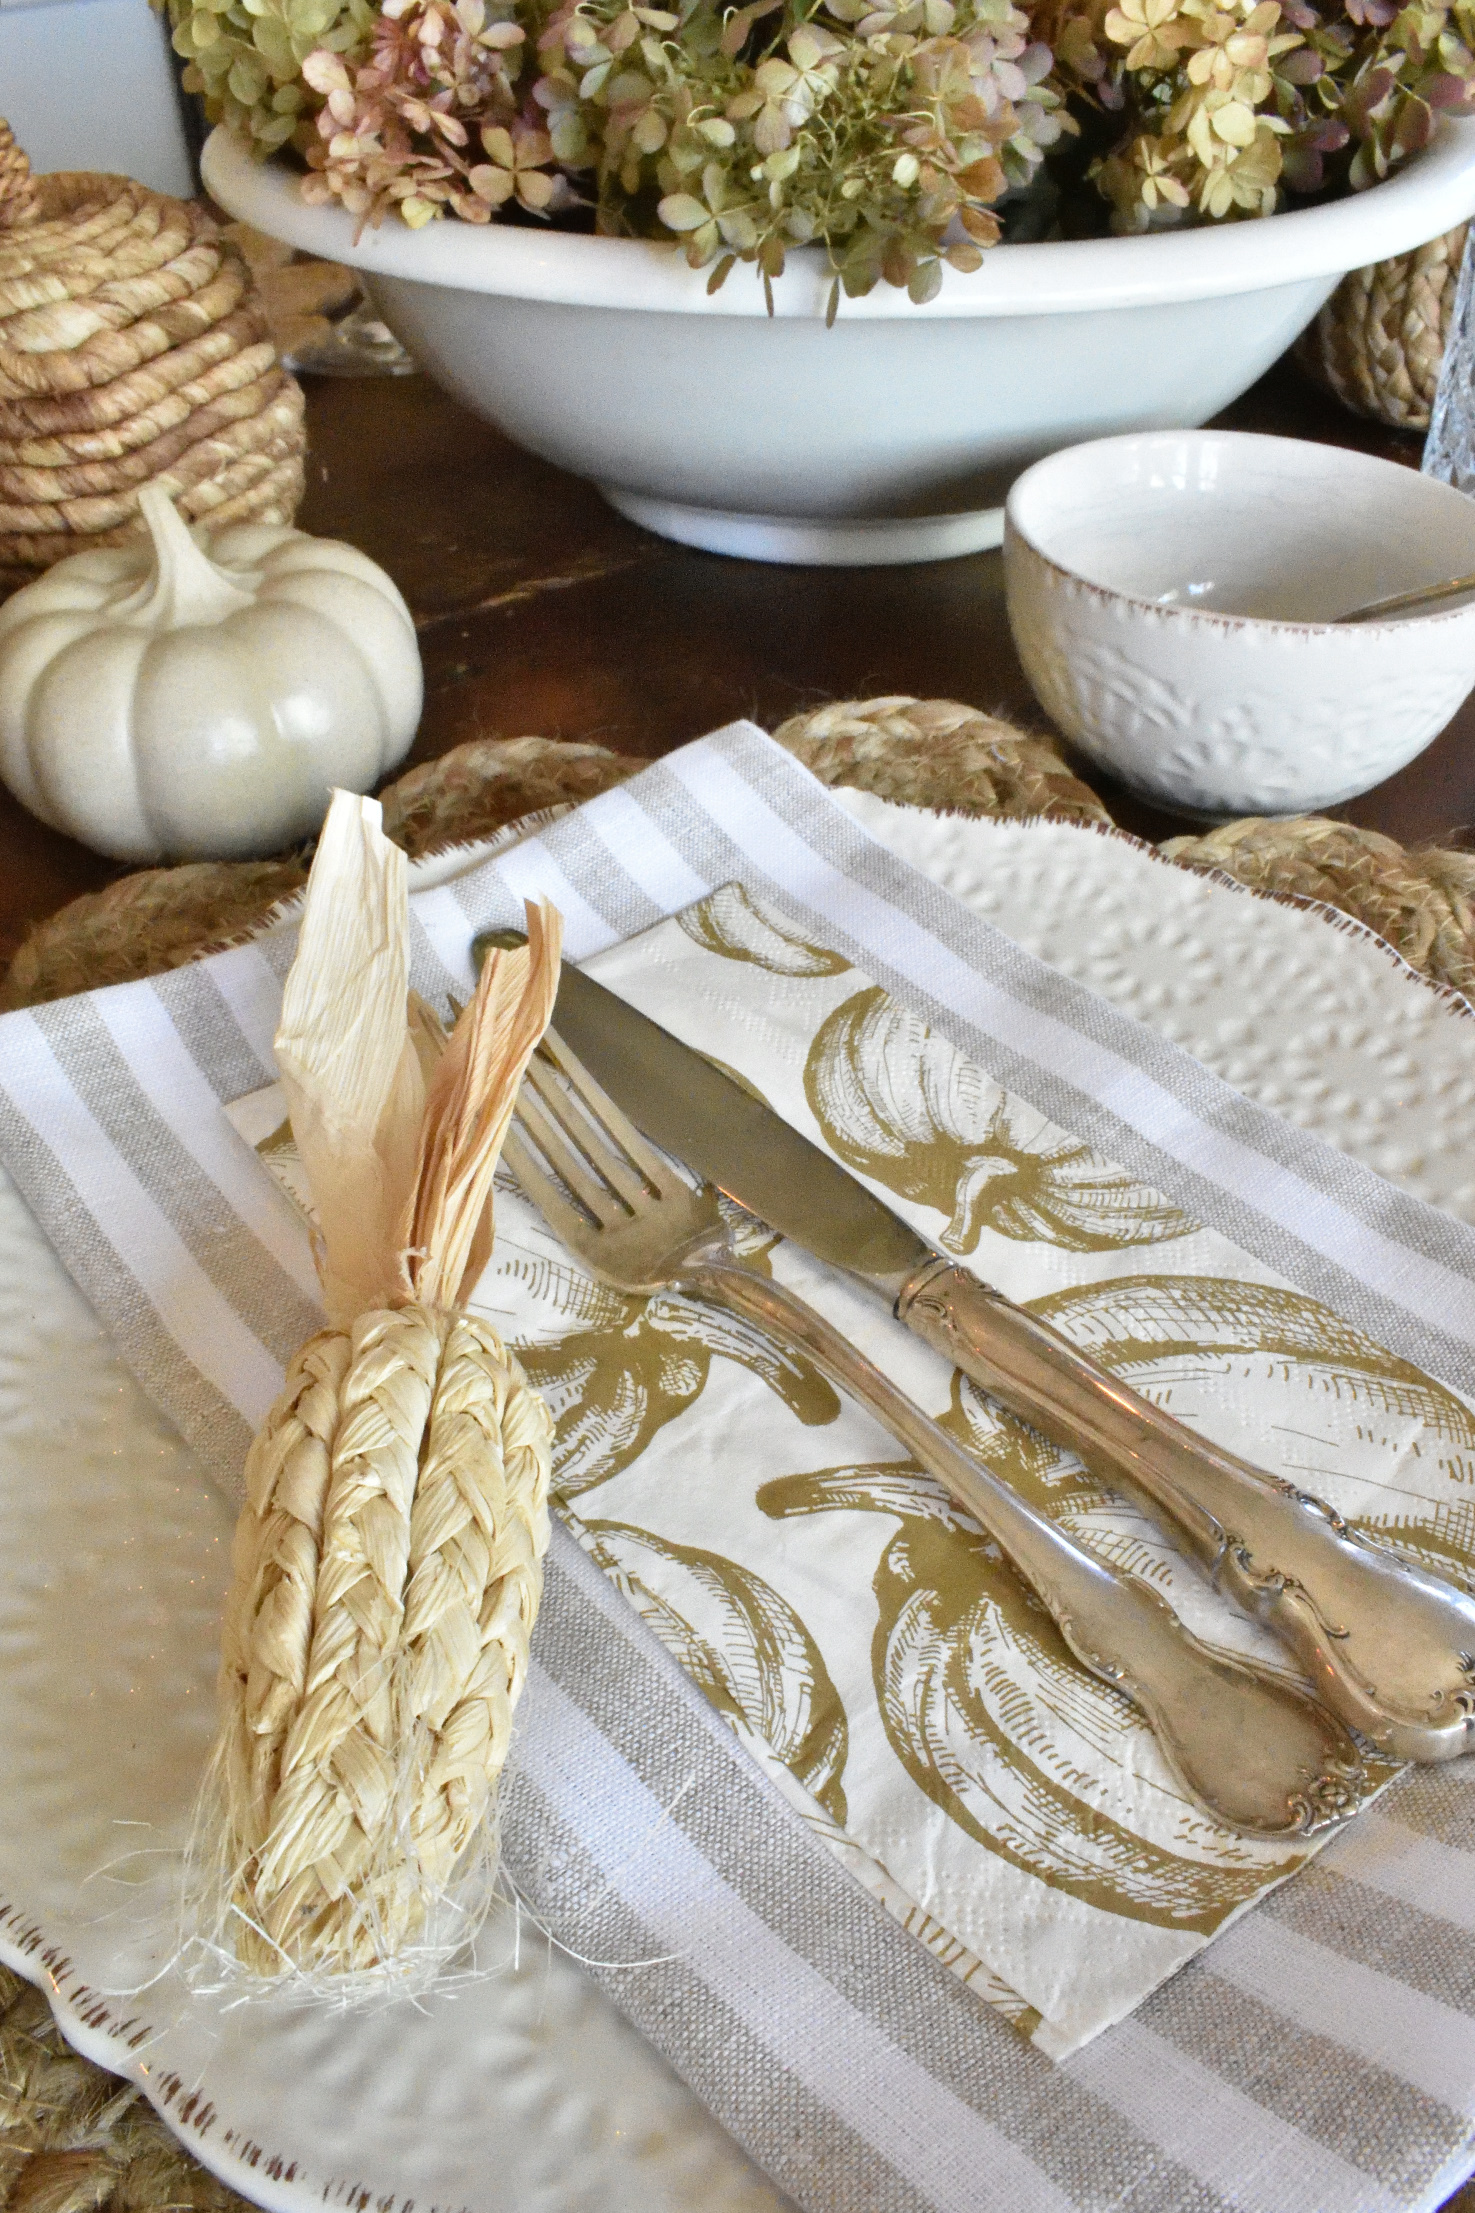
1388	1647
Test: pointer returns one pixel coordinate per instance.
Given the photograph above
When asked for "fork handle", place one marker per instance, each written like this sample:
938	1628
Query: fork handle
1389	1647
1258	1753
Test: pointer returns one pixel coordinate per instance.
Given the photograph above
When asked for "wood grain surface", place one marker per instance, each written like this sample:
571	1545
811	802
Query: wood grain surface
540	609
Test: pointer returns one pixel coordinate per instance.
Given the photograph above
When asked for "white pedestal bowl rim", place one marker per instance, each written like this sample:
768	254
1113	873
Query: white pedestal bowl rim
1421	200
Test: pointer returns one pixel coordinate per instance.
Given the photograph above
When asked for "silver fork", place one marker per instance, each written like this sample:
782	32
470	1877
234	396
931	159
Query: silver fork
1253	1749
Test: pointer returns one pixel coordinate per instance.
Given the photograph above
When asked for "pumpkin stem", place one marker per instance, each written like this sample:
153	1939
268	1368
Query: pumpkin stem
185	587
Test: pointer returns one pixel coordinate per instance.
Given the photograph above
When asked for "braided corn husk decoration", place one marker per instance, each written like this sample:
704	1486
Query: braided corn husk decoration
387	1563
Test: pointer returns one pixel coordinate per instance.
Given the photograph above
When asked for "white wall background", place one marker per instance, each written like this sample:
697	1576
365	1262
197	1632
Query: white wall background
88	84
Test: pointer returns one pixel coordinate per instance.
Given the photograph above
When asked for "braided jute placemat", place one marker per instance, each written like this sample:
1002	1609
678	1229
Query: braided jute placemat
921	752
74	2139
927	753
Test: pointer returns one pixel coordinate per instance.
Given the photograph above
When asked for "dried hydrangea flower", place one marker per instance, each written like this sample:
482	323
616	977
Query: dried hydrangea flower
885	128
245	59
886	131
430	123
1215	108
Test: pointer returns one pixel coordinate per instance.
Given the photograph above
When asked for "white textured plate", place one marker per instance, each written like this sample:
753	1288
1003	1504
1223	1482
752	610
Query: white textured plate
526	2090
1307	1014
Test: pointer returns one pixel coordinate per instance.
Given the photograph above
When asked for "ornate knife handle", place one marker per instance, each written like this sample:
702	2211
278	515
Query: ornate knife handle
1388	1647
1254	1750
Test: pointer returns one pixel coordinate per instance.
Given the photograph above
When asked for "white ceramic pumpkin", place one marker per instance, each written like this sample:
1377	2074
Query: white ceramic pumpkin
198	697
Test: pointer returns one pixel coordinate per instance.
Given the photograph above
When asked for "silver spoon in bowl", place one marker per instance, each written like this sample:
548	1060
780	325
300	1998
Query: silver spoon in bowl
1404	603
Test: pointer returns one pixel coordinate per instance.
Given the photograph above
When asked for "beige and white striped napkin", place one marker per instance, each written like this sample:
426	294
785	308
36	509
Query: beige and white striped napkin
870	1644
844	2054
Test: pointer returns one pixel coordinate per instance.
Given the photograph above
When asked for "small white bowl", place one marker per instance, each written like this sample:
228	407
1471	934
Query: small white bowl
1171	596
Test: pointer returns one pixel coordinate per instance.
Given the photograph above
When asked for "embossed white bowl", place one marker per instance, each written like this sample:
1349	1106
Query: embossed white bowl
1172	597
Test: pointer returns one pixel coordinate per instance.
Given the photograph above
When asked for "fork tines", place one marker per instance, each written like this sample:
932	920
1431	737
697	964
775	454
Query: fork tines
577	1156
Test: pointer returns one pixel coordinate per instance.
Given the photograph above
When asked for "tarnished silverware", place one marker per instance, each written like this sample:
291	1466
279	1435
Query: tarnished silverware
1257	1752
1389	1647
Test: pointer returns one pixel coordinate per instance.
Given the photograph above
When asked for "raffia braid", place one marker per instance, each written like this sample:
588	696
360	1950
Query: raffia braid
387	1571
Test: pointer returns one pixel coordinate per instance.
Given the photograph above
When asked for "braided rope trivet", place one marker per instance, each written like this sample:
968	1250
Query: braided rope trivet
1379	340
930	753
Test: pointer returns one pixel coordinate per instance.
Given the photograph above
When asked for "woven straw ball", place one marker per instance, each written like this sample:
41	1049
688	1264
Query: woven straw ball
18	202
134	350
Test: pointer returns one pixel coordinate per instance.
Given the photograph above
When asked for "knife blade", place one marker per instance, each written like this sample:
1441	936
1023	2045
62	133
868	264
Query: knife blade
725	1133
1389	1647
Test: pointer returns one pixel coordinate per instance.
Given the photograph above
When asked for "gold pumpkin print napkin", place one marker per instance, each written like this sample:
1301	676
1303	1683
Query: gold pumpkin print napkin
869	1644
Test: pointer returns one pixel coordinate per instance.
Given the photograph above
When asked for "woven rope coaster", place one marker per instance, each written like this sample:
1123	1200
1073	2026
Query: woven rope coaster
1423	903
923	753
74	2139
928	753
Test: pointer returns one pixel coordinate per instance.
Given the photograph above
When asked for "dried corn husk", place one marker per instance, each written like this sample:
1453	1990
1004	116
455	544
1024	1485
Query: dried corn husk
134	349
387	1562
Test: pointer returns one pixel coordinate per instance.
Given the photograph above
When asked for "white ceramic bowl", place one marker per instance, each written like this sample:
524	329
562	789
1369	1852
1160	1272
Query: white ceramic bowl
892	437
1171	596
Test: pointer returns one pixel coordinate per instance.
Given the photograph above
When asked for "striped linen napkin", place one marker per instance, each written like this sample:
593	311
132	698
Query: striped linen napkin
872	1648
1321	2055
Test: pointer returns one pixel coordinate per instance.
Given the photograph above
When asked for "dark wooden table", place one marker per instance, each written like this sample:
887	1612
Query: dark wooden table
540	609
